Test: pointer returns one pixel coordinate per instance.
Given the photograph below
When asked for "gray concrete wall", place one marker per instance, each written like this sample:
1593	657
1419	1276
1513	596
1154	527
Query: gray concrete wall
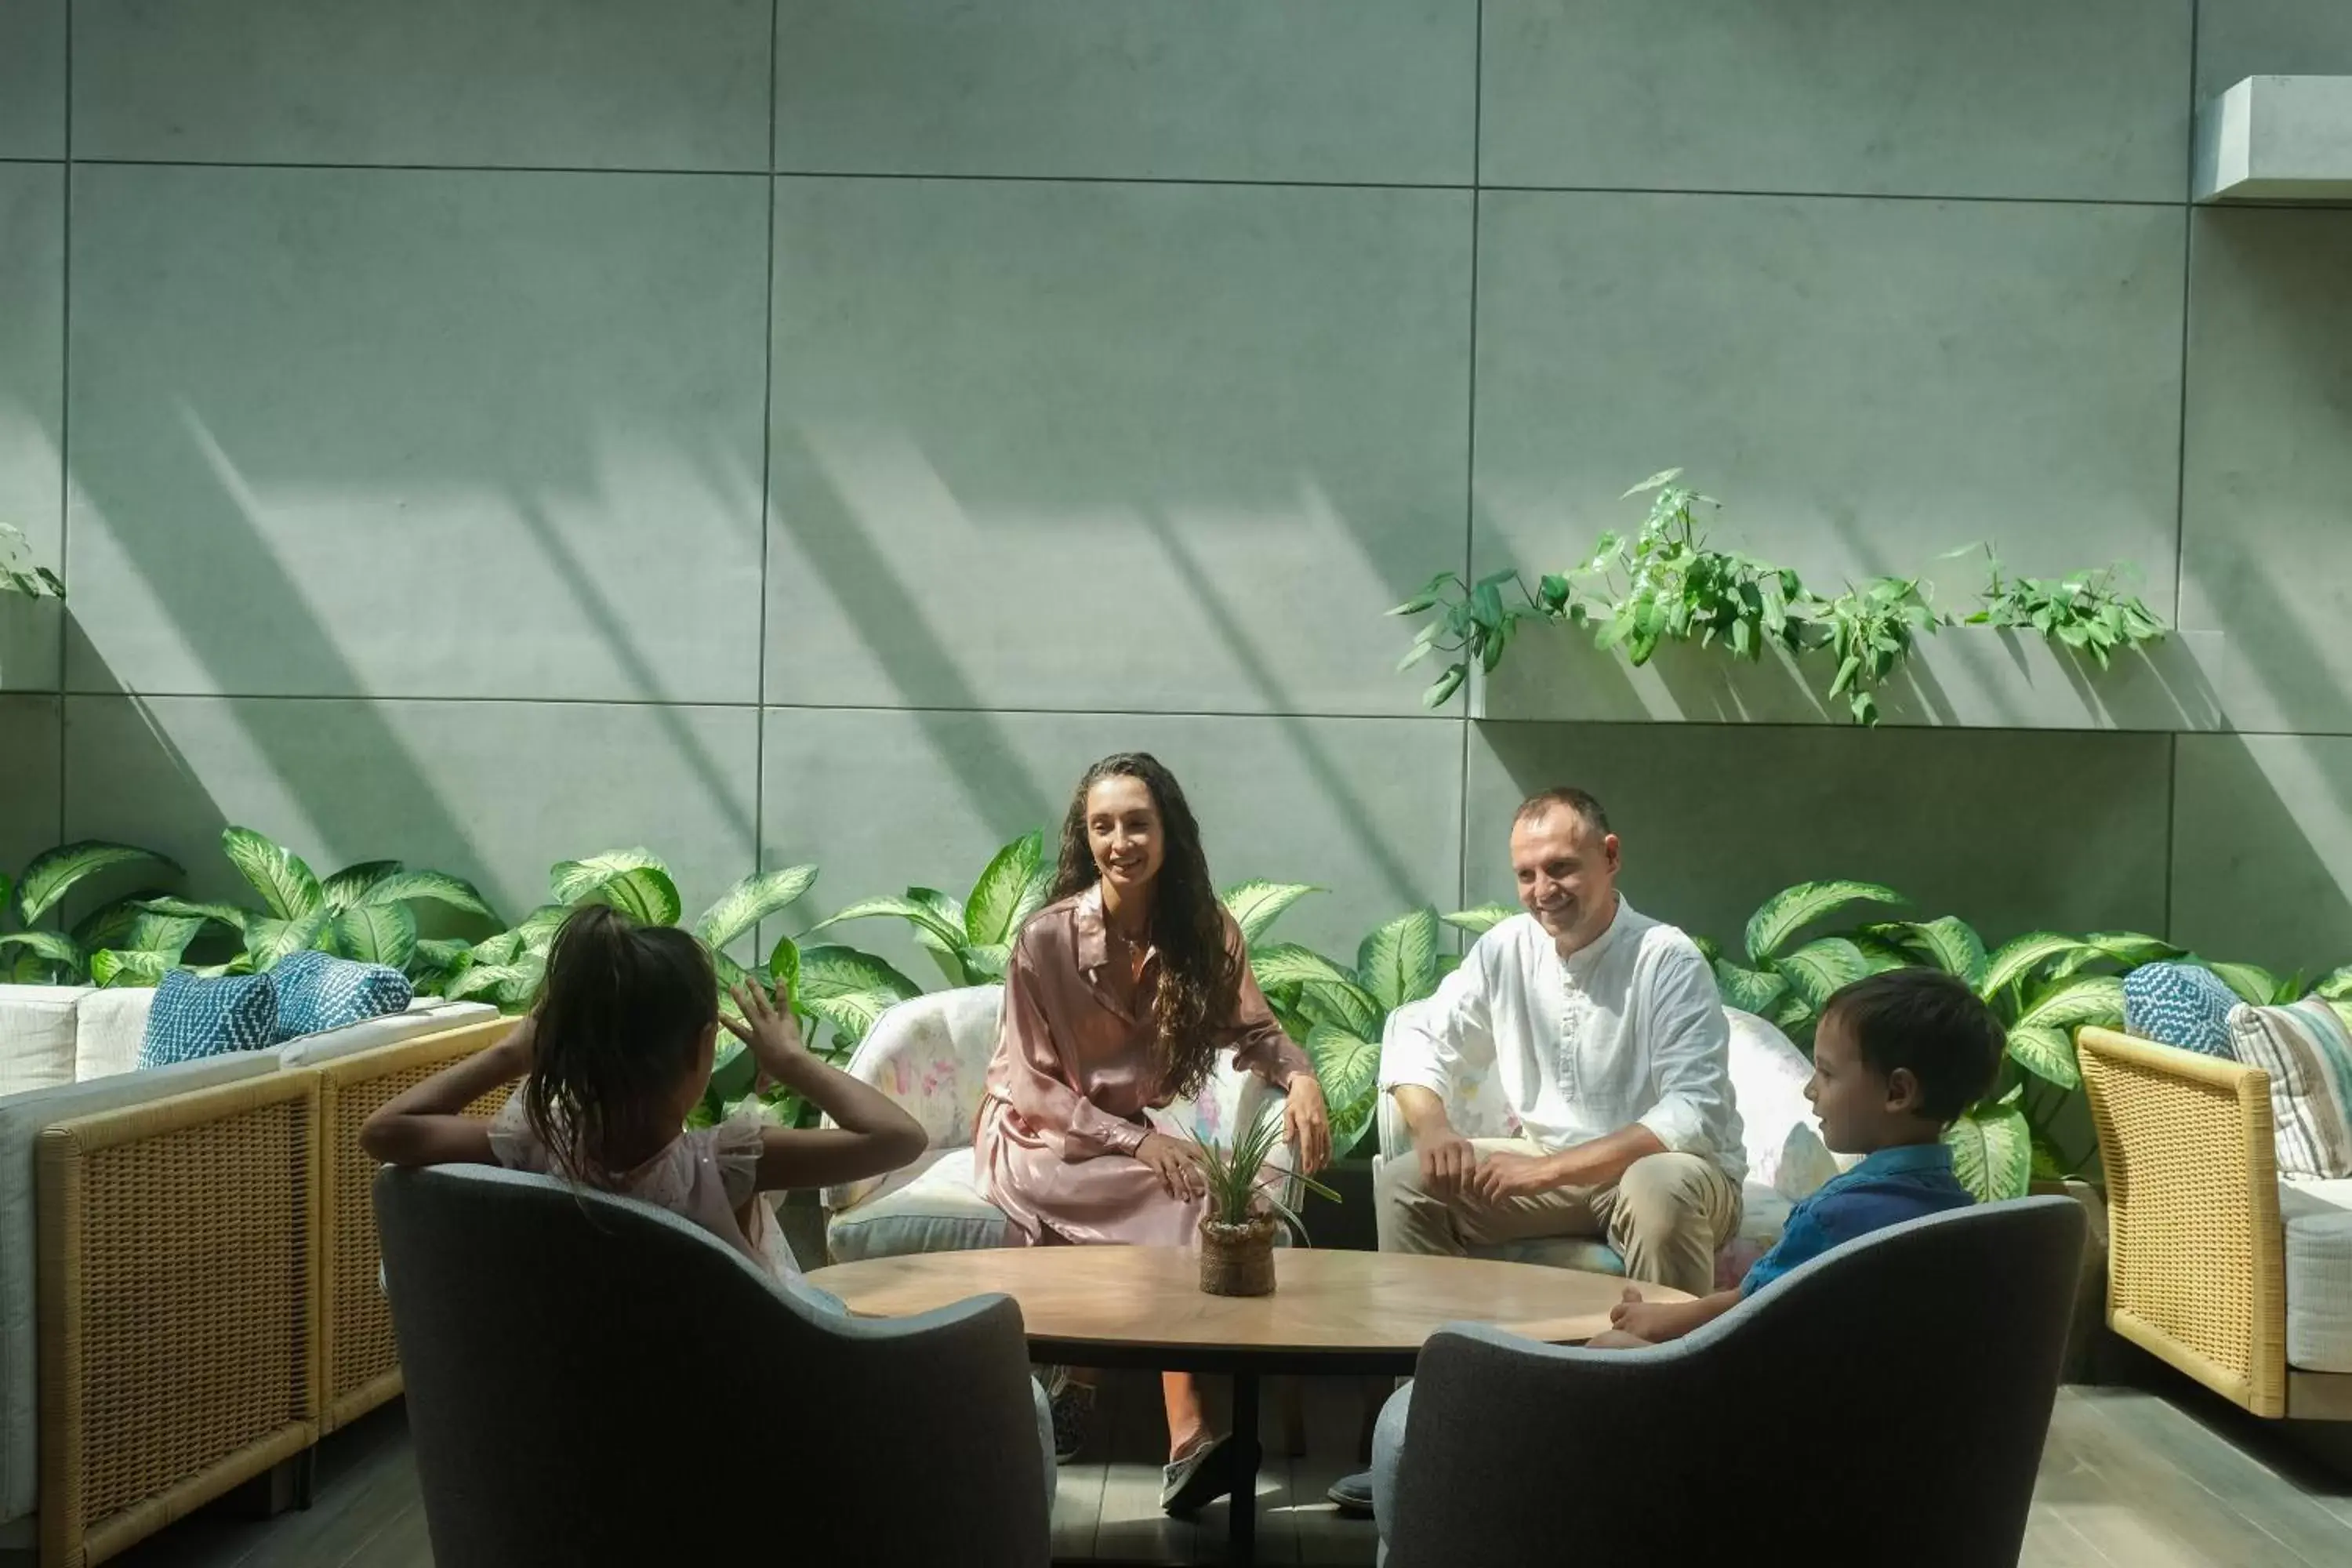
484	435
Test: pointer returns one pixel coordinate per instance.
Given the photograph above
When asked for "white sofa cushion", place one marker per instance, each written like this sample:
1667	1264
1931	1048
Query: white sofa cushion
109	1025
37	1035
931	1205
2318	1216
22	1118
425	1016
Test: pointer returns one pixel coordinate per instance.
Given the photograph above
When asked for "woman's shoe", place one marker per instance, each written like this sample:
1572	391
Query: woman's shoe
1074	1418
1352	1495
1203	1475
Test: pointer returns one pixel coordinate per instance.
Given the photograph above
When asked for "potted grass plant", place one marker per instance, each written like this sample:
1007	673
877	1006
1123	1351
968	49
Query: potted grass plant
1244	1207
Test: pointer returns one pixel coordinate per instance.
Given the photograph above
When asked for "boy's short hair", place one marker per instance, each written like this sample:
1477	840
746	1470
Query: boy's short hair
1931	1022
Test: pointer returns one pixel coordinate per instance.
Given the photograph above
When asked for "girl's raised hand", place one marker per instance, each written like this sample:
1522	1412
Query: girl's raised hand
772	1033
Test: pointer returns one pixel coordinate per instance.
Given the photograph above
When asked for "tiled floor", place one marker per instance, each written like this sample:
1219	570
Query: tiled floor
2130	1479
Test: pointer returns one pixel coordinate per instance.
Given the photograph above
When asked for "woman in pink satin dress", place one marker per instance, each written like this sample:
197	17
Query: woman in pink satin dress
1118	997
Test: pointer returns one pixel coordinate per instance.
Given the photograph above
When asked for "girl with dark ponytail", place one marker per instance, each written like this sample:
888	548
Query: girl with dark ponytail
614	1057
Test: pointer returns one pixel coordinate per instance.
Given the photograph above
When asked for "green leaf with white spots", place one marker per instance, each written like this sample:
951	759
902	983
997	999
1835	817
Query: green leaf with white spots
53	875
431	886
110	970
751	901
1993	1152
268	940
289	887
2046	1052
376	934
1255	905
1398	962
1749	990
1478	922
1787	912
1015	885
2016	959
1818	970
350	885
633	881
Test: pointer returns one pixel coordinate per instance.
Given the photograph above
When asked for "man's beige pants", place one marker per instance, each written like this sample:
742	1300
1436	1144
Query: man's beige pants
1666	1216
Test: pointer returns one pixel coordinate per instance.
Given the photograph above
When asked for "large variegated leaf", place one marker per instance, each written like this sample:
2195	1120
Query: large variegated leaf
2251	982
1255	905
751	901
1786	913
2020	957
1343	1003
1881	954
288	889
498	982
2130	948
433	886
50	946
376	934
1749	990
1398	962
52	876
350	885
733	1072
948	911
1951	944
2071	1002
535	933
1993	1152
439	960
109	968
1818	969
2046	1052
1014	886
986	961
228	915
2336	987
1350	1069
928	920
849	989
160	933
109	924
268	940
1286	964
631	881
1478	922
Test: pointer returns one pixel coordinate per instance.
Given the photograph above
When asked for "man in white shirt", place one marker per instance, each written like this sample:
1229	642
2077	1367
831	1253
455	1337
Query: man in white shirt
1605	1033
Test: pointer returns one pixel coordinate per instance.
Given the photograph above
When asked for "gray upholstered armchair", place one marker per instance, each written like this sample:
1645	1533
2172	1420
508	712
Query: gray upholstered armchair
1885	1403
594	1381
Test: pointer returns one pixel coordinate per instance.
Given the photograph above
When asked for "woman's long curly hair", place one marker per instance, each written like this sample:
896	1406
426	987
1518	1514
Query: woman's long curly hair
1199	978
621	1014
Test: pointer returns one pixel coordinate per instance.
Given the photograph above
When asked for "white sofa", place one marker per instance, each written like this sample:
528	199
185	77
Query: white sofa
930	1054
68	1052
1768	1085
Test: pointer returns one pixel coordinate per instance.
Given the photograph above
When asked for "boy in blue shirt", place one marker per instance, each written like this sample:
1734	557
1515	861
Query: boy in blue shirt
1897	1058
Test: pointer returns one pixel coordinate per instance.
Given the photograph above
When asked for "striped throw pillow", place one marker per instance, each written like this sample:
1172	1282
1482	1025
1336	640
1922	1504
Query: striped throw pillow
2307	1050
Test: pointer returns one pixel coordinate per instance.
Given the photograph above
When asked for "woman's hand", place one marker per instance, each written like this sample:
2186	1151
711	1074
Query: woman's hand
1306	1122
773	1036
1175	1162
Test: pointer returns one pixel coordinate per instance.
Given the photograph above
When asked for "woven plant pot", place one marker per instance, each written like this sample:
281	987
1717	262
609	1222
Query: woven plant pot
1237	1260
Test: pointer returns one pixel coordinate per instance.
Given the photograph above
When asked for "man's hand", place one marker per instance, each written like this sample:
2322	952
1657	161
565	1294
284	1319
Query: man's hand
1447	1160
1501	1176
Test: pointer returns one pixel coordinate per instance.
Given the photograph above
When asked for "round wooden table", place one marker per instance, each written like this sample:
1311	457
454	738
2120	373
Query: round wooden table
1331	1313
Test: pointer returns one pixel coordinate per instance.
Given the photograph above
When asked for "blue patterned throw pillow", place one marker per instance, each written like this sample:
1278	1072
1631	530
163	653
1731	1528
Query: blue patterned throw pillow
193	1017
317	992
2179	1005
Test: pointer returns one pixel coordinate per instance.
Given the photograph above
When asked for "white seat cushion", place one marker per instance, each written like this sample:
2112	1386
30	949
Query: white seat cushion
37	1035
2318	1216
931	1205
425	1016
110	1025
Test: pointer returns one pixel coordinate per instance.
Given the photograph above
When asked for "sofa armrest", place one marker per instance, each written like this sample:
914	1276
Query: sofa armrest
179	1256
2197	1256
360	1365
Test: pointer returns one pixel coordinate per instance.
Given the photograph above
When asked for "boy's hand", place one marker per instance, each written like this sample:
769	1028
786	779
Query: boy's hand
773	1034
1650	1322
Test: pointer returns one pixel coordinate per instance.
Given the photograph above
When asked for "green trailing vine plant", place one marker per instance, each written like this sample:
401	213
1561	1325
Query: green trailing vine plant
1666	582
2086	612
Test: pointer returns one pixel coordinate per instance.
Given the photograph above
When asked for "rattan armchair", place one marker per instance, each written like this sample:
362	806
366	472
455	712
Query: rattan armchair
2196	1251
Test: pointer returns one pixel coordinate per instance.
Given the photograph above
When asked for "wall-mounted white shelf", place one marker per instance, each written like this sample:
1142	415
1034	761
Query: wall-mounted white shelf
1964	676
2276	139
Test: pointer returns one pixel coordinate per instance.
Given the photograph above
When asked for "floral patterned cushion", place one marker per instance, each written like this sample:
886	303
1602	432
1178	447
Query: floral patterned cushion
930	1054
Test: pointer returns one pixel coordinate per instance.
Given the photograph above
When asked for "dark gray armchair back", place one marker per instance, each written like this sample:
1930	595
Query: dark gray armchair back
592	1381
1885	1403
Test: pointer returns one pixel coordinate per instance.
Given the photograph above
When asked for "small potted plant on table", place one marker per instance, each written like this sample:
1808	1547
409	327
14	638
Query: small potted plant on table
1244	1207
